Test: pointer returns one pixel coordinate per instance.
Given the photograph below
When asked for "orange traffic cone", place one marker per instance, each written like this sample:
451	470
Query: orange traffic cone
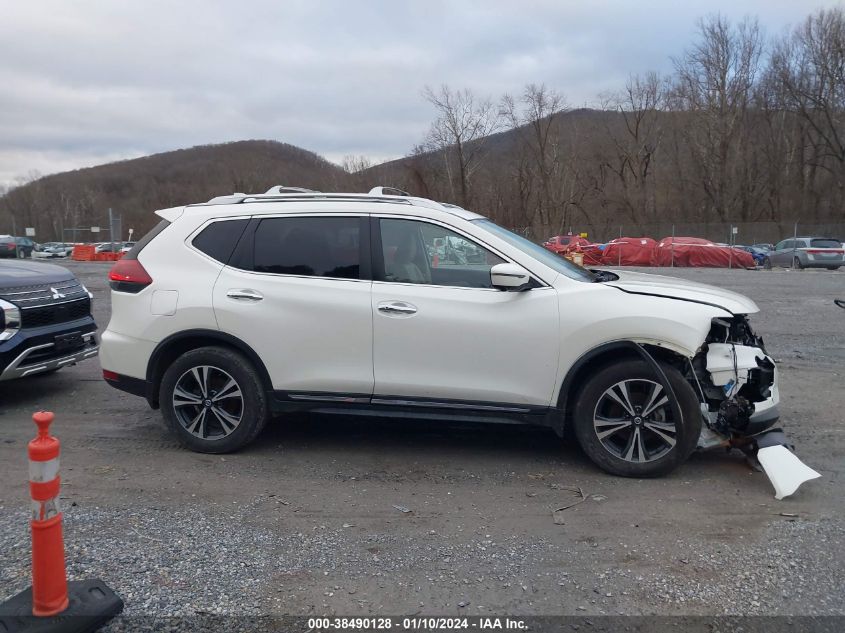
47	605
49	580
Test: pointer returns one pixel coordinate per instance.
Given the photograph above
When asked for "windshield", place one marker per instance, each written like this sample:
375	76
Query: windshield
541	254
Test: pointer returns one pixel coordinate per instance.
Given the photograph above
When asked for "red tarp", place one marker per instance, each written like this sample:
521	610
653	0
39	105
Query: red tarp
561	243
644	251
591	253
697	252
628	251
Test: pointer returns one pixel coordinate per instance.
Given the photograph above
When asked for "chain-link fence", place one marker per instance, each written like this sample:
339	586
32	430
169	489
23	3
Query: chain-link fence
745	233
721	245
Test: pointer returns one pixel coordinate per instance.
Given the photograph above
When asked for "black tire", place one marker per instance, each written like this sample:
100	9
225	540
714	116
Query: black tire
767	263
654	456
796	264
212	432
833	267
21	254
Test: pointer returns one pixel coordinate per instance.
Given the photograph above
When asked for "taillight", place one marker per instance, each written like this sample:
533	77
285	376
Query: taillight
822	251
128	275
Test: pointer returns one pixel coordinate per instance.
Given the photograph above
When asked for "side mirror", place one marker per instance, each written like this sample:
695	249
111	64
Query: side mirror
508	276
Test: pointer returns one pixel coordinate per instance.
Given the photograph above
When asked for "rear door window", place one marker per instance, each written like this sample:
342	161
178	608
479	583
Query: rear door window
218	239
308	246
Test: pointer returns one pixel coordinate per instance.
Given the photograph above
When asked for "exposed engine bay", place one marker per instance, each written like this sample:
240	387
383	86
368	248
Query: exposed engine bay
735	376
737	383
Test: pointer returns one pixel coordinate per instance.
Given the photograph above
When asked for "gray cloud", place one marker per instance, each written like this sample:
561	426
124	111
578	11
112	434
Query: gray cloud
91	81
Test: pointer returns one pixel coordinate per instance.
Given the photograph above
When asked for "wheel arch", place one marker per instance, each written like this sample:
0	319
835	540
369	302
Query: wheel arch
177	344
595	359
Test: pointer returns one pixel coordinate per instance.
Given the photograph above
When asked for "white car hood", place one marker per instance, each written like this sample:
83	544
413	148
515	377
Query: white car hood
674	288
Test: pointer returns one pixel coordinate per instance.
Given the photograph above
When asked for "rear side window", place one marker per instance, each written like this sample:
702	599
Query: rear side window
825	243
313	247
149	237
219	239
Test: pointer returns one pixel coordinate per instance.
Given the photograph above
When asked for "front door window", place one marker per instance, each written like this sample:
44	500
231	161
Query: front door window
424	253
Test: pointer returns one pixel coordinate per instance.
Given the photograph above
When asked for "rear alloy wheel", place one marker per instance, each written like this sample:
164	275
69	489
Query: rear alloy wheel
796	264
625	421
767	263
21	254
213	400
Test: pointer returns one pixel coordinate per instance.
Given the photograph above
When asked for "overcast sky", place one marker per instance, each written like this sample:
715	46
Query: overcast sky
91	81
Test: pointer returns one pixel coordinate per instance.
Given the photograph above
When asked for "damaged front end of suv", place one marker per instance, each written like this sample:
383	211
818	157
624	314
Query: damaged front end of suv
737	382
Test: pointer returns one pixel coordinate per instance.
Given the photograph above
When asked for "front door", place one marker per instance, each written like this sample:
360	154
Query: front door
442	332
783	253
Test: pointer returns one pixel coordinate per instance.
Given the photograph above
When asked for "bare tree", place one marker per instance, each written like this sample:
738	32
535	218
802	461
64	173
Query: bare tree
460	132
714	82
635	145
809	65
540	158
354	164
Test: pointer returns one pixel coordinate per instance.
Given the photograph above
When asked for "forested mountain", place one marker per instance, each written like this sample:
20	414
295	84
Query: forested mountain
745	130
135	188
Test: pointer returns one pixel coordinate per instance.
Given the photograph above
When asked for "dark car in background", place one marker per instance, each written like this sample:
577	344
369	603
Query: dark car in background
807	252
756	252
45	320
19	247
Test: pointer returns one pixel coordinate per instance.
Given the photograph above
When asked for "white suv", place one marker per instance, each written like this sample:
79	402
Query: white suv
386	304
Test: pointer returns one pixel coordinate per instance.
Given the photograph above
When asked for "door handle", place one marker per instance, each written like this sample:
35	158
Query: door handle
396	307
245	294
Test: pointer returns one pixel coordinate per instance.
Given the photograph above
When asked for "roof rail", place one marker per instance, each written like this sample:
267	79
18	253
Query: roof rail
283	189
388	191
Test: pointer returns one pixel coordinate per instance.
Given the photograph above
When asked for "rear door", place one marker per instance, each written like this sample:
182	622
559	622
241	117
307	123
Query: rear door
297	291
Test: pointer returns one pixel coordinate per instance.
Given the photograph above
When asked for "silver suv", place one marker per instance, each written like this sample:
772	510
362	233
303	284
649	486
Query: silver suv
807	252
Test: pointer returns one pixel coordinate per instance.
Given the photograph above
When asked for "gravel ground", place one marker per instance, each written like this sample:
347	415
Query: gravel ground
306	521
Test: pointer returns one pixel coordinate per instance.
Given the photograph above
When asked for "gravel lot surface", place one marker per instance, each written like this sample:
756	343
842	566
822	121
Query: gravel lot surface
305	521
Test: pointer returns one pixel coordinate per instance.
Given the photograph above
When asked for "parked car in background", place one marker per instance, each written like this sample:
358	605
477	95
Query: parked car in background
49	250
764	247
45	320
20	247
757	253
114	247
807	252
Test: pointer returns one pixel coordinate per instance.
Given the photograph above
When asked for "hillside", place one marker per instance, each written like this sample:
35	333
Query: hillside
135	188
597	171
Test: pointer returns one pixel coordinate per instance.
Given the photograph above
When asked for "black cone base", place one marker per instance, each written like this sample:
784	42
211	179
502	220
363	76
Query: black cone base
91	605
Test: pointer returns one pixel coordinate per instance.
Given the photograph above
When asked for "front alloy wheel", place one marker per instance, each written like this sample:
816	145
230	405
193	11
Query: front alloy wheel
633	421
626	424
